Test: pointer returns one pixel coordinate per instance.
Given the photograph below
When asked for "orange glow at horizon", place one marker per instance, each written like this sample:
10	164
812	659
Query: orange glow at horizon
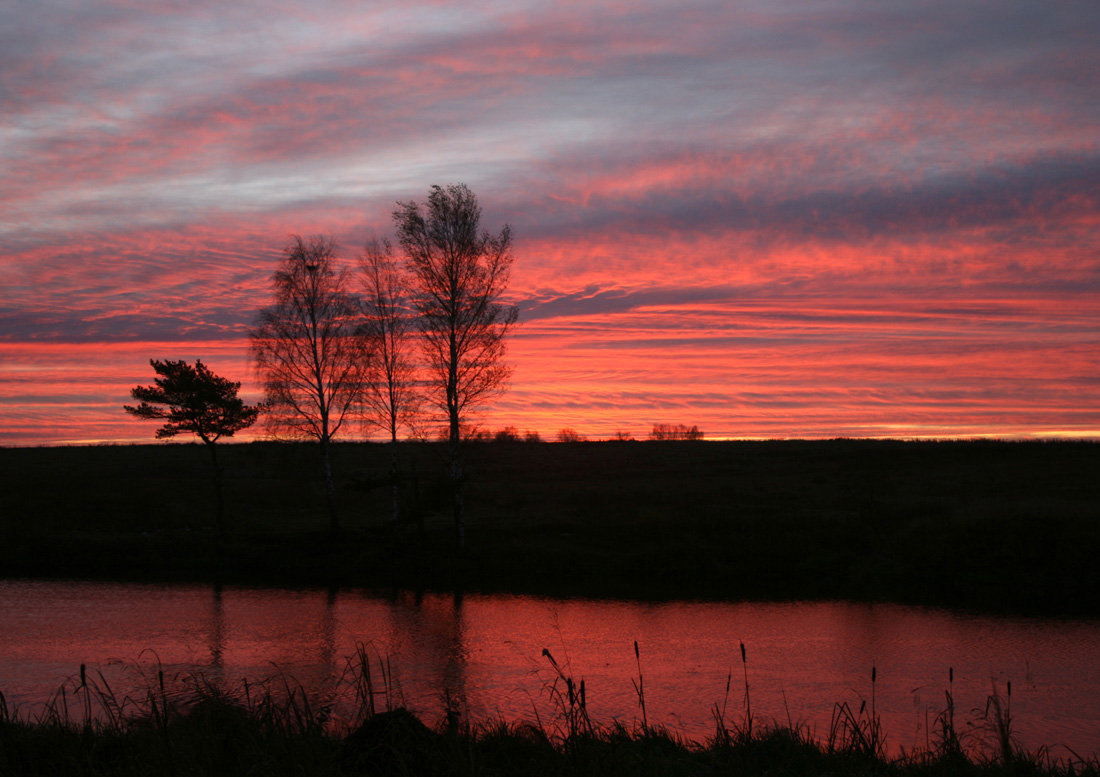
754	368
761	218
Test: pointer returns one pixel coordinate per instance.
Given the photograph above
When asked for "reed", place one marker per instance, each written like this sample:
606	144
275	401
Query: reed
747	726
742	729
948	743
639	687
191	725
366	687
570	699
857	733
998	721
722	732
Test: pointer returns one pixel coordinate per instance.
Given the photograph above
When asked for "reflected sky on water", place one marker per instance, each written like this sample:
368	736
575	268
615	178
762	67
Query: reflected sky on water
485	653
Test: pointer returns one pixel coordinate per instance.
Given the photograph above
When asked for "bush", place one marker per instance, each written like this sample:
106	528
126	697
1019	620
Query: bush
507	434
675	432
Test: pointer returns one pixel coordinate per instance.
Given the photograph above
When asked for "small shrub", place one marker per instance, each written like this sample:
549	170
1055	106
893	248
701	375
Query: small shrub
569	435
507	434
675	432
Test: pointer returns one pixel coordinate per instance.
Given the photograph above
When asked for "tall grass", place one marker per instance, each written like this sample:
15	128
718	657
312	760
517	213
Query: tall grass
858	733
739	730
947	741
998	720
570	699
191	725
639	687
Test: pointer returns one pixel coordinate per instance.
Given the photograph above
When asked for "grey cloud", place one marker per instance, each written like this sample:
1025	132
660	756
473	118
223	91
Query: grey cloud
1048	187
38	326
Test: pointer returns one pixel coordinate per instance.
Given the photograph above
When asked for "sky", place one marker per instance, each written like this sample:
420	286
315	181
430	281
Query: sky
767	218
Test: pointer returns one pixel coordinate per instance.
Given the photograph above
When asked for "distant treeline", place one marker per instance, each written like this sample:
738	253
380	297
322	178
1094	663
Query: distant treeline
568	434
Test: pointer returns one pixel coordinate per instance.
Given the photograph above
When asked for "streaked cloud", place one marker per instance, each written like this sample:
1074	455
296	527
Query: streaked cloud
769	218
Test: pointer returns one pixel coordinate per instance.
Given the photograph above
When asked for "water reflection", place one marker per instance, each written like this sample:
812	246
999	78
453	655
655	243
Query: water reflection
217	630
482	655
427	634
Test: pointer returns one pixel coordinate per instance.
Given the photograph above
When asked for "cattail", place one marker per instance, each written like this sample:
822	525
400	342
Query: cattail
951	674
83	679
637	655
546	652
742	652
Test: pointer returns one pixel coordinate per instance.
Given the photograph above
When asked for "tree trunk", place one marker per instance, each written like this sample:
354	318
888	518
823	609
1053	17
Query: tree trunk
330	489
456	498
456	445
393	481
456	464
218	500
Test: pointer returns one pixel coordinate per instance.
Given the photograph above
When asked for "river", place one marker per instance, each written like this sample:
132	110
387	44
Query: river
485	653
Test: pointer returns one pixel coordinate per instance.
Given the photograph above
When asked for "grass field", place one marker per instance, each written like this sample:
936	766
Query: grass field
984	525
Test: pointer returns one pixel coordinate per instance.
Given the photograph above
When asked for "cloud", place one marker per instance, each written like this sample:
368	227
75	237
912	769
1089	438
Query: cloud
800	202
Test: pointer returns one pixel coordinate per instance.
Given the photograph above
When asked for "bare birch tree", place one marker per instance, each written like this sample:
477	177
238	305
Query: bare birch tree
388	325
307	350
458	276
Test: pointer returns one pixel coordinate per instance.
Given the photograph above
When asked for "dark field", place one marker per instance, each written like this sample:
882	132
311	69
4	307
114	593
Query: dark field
982	525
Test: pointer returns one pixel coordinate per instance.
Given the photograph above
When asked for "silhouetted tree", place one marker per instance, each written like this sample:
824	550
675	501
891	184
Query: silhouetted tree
569	434
675	432
388	324
507	434
309	352
193	400
458	276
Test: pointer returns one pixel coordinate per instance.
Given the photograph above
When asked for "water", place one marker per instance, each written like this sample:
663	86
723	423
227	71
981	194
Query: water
486	652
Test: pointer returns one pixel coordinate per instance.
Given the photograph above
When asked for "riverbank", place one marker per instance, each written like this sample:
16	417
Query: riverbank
207	729
982	525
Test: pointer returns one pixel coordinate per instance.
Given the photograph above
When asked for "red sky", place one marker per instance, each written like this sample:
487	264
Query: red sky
770	219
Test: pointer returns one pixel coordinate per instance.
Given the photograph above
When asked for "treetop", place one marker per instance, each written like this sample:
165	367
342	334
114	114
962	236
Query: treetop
194	400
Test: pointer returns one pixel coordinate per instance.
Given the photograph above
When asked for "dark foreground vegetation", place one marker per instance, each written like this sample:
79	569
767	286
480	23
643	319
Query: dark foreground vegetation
985	525
190	726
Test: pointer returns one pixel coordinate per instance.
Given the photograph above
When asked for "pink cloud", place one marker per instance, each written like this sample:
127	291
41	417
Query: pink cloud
760	218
